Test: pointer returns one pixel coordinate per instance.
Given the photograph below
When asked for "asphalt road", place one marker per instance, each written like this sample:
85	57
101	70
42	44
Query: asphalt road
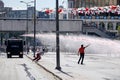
21	69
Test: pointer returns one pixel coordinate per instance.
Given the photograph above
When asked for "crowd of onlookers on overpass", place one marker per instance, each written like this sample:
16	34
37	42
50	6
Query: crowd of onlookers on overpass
107	12
104	12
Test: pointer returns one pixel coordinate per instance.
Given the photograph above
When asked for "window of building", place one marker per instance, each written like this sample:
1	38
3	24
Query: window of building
70	4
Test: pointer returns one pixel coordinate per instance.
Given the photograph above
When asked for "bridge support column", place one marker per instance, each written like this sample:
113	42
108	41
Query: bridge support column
106	24
114	25
86	33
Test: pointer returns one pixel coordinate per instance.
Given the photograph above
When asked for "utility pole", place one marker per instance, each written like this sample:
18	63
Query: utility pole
57	38
27	4
34	26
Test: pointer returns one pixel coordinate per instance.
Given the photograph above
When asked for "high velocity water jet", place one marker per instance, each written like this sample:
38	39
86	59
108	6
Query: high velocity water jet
71	43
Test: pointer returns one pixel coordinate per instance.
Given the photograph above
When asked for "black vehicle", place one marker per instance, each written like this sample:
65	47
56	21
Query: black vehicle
14	47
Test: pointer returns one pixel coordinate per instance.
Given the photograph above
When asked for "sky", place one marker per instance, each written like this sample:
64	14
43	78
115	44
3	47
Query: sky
40	4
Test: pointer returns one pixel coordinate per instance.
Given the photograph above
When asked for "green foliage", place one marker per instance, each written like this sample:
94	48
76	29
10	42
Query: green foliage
118	28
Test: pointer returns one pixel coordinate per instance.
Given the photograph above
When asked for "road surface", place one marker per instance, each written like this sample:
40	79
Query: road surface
21	69
96	66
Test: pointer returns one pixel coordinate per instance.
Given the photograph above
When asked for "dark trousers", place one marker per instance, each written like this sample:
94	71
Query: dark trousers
81	57
38	57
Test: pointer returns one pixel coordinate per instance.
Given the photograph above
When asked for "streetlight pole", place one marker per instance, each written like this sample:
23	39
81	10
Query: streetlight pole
27	4
34	26
57	38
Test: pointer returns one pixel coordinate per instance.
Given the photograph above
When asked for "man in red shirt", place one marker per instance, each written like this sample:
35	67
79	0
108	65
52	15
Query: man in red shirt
81	52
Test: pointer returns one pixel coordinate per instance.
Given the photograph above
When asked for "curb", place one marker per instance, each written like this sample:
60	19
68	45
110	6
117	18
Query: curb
46	69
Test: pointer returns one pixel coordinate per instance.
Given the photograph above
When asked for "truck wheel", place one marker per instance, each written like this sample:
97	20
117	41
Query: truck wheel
21	55
8	56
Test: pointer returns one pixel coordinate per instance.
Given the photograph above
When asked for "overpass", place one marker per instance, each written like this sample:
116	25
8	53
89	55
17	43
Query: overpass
50	24
42	25
66	26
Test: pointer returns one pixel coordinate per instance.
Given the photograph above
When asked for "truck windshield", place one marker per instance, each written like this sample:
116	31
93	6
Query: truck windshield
15	45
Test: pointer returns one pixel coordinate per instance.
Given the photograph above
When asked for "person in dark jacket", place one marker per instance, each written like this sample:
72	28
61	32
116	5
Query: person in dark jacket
81	52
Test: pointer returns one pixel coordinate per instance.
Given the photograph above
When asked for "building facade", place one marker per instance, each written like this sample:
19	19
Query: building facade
13	14
118	2
43	15
91	3
4	10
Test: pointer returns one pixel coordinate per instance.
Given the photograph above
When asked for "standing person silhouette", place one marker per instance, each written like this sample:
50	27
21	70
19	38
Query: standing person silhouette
81	52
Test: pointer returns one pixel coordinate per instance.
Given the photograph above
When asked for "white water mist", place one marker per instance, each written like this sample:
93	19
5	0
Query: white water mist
71	43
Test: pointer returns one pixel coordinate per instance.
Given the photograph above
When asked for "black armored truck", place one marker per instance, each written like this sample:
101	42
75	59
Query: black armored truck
14	47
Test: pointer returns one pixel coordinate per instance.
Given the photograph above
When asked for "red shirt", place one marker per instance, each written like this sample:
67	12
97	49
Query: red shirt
81	50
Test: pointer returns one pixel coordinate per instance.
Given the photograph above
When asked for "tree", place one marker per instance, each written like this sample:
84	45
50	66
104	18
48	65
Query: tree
118	31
